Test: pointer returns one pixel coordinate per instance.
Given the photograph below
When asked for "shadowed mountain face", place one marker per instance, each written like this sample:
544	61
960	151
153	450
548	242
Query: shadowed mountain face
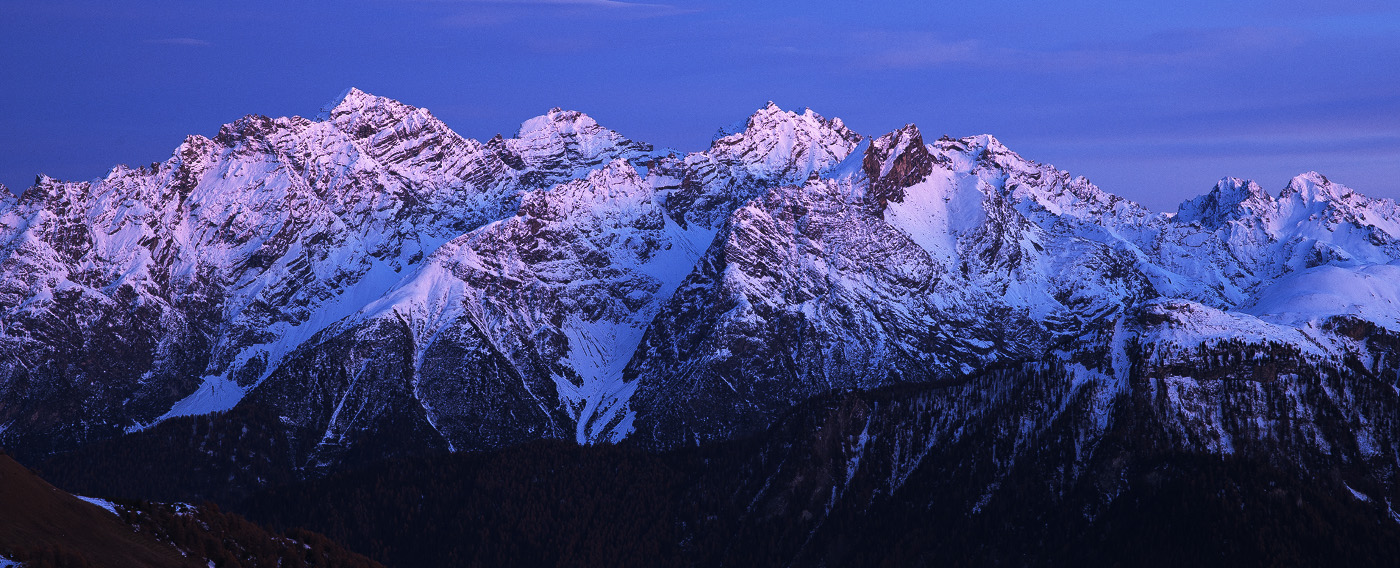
317	294
1018	466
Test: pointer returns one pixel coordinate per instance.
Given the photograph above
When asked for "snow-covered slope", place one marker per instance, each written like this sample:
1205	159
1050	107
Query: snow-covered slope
928	262
915	263
383	285
174	288
775	147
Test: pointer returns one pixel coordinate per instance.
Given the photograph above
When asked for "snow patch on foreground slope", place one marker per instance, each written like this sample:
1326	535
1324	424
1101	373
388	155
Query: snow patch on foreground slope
106	505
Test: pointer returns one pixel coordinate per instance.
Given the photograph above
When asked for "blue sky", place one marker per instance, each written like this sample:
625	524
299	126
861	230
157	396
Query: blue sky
1153	101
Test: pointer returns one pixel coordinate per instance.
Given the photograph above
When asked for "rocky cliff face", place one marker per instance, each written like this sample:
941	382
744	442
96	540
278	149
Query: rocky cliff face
174	289
382	285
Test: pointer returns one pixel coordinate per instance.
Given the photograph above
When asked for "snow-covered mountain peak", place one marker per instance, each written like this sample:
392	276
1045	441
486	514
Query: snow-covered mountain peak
972	152
560	137
53	191
736	127
774	147
363	115
1005	174
892	145
354	101
1313	186
350	97
256	134
896	161
987	142
1312	200
193	145
769	109
786	147
1309	202
772	117
558	120
1229	199
612	190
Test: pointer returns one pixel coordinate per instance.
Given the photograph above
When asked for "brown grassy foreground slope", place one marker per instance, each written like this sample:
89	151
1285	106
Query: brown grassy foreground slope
43	526
40	523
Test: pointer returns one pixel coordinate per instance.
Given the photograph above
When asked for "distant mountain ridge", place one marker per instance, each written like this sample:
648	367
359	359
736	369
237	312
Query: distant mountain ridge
382	285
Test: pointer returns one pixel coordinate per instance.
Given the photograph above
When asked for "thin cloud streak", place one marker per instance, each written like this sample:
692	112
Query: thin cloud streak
181	41
610	4
883	50
1231	146
488	13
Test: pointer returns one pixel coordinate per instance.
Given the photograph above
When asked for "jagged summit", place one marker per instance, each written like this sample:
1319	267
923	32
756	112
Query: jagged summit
575	131
353	100
558	120
349	95
982	149
363	115
1310	201
786	145
1313	186
1229	198
730	129
986	142
1234	198
568	143
896	161
770	116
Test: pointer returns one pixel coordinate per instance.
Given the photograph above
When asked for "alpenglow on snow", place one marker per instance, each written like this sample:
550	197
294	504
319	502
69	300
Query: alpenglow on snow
370	275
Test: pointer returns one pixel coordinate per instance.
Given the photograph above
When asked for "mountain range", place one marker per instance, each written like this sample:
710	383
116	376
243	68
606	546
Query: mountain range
368	285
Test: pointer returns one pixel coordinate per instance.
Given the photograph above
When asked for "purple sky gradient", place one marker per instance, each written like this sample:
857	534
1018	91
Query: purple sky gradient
1153	102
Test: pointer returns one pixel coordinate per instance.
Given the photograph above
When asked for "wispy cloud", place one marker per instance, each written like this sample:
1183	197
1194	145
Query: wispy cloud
889	50
1239	146
1171	48
181	41
607	4
481	13
932	52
